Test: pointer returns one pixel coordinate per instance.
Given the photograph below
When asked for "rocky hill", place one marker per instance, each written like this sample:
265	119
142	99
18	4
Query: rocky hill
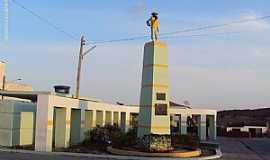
247	117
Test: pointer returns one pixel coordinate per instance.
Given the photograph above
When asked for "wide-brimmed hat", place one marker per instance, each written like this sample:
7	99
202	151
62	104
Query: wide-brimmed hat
154	13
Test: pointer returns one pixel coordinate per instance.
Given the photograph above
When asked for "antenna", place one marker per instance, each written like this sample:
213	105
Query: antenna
6	20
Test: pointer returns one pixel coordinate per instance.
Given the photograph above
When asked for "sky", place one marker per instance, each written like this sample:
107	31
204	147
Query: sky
226	68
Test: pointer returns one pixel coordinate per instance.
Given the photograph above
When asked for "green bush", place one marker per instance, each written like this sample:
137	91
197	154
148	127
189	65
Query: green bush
101	136
123	139
186	141
110	135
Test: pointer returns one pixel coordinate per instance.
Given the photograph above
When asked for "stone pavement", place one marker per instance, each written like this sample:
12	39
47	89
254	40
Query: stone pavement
245	149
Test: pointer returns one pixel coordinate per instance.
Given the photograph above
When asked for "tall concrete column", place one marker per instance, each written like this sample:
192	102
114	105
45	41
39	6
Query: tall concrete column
202	127
119	119
82	125
67	131
44	124
184	123
103	117
112	117
212	127
127	121
154	99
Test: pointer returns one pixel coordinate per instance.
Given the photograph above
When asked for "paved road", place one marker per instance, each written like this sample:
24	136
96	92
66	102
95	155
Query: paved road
27	156
232	149
245	149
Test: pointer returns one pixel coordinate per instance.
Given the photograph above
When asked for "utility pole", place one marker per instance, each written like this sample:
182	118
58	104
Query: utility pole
5	82
79	67
4	85
81	55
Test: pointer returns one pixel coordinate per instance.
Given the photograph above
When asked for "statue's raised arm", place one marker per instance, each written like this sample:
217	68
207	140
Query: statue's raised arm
153	22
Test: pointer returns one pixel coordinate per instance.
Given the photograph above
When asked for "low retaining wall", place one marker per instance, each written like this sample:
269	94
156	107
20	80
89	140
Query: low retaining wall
108	156
178	154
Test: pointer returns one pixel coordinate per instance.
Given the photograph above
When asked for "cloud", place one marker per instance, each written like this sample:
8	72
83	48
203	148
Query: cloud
253	24
138	7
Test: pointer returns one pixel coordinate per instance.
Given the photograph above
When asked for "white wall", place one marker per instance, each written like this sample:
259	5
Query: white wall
246	128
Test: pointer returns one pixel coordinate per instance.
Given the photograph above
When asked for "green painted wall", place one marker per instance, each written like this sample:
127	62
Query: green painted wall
115	118
59	127
75	126
88	119
19	118
108	116
99	118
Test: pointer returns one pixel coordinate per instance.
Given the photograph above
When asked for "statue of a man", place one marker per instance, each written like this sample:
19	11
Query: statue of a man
154	24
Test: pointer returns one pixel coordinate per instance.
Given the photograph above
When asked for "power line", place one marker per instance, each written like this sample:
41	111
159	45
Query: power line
207	27
46	21
118	40
162	35
185	36
200	35
216	26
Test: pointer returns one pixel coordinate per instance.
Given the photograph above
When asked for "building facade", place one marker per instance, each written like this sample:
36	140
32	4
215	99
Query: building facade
61	121
52	120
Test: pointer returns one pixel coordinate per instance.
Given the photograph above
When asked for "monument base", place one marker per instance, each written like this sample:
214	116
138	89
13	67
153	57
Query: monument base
157	143
154	117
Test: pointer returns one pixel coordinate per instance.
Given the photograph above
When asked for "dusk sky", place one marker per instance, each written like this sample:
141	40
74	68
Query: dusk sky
225	68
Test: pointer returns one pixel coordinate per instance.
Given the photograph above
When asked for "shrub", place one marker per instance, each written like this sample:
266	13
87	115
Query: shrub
110	135
122	139
101	136
186	141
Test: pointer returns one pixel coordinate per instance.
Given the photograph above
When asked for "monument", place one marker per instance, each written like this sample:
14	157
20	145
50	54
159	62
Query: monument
154	99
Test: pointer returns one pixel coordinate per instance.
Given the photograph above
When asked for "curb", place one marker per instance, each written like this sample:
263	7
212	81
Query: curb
88	155
216	156
176	154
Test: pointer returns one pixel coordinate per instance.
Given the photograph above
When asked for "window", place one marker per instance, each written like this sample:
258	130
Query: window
161	109
161	96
